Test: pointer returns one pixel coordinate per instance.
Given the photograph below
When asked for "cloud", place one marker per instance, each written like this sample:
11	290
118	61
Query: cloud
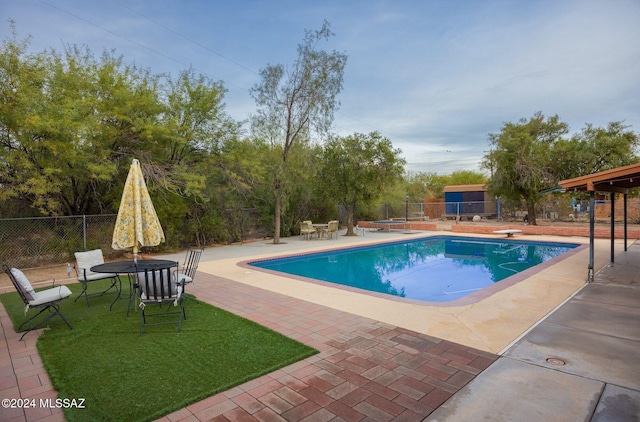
431	76
504	67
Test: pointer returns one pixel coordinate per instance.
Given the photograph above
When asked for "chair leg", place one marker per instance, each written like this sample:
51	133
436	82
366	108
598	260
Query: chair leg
133	293
184	296
53	309
143	321
181	314
84	292
63	318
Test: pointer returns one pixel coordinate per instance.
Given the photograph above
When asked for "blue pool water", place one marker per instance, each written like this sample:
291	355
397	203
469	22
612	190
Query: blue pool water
436	269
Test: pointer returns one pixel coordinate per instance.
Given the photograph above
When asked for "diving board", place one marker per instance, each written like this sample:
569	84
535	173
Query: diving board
388	225
508	232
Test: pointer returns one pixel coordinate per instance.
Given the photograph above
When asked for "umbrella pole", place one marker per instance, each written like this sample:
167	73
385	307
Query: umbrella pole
135	254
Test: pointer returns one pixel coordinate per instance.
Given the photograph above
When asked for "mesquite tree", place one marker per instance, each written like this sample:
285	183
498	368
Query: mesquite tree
354	170
296	102
520	159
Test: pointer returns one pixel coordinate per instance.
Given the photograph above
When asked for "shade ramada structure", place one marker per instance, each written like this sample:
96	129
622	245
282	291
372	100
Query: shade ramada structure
618	180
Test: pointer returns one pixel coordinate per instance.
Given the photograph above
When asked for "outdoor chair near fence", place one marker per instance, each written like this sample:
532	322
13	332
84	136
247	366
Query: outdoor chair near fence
46	300
159	288
332	227
84	261
307	229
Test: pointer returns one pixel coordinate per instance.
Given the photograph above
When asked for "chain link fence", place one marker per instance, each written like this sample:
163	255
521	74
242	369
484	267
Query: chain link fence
408	210
39	242
45	241
551	209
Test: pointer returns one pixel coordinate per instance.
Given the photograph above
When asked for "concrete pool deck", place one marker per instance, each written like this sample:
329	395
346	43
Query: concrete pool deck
490	323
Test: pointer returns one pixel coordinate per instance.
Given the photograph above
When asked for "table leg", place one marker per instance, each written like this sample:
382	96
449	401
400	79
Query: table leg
133	288
119	289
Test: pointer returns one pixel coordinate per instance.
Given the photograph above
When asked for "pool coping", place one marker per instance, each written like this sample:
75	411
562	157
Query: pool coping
469	299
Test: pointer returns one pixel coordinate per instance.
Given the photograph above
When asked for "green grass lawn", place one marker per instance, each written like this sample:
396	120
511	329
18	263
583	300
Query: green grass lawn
124	377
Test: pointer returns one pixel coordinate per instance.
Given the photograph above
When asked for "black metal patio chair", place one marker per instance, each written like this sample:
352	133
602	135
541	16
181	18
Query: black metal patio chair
160	287
47	300
187	272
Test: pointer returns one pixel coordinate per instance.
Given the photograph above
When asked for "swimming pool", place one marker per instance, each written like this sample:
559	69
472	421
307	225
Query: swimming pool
434	269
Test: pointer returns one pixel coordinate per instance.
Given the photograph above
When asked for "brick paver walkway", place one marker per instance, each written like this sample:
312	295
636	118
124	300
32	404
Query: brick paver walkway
22	376
366	369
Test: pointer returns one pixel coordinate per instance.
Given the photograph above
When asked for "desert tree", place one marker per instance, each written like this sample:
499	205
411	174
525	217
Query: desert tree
355	169
520	159
296	102
594	149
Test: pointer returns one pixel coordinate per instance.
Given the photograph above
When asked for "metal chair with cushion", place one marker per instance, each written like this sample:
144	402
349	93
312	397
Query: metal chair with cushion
46	300
84	261
160	287
307	229
188	270
332	227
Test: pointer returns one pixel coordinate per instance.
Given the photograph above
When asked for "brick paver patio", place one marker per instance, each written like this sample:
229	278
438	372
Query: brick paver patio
366	369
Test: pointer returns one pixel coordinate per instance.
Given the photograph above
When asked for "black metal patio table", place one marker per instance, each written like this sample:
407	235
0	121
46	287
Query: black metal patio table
131	267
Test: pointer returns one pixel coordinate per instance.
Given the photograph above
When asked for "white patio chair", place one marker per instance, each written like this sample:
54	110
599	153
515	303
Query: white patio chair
83	263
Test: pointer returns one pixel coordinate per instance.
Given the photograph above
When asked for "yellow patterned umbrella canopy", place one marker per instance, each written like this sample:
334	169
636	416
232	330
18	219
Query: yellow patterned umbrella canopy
137	224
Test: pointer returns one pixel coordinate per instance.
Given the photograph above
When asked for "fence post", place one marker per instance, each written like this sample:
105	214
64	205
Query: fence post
84	231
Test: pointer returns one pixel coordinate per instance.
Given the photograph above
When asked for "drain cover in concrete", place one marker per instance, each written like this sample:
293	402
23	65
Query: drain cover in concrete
606	358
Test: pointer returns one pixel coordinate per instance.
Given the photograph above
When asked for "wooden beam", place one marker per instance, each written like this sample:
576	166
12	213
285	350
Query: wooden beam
606	188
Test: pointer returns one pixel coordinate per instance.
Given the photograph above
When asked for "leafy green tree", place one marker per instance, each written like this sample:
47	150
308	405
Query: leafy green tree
300	201
295	102
70	124
521	159
466	177
595	149
193	169
48	122
430	185
425	184
20	92
354	170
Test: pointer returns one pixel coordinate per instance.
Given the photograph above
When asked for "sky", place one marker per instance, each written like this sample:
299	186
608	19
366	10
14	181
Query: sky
436	77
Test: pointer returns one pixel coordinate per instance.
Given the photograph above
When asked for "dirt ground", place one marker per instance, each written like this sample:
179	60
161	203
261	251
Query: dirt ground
46	275
41	277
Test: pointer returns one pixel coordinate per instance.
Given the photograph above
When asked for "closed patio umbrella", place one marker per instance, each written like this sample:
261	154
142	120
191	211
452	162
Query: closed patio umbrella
137	224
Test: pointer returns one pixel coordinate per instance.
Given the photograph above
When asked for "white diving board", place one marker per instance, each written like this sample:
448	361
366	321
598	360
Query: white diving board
508	232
